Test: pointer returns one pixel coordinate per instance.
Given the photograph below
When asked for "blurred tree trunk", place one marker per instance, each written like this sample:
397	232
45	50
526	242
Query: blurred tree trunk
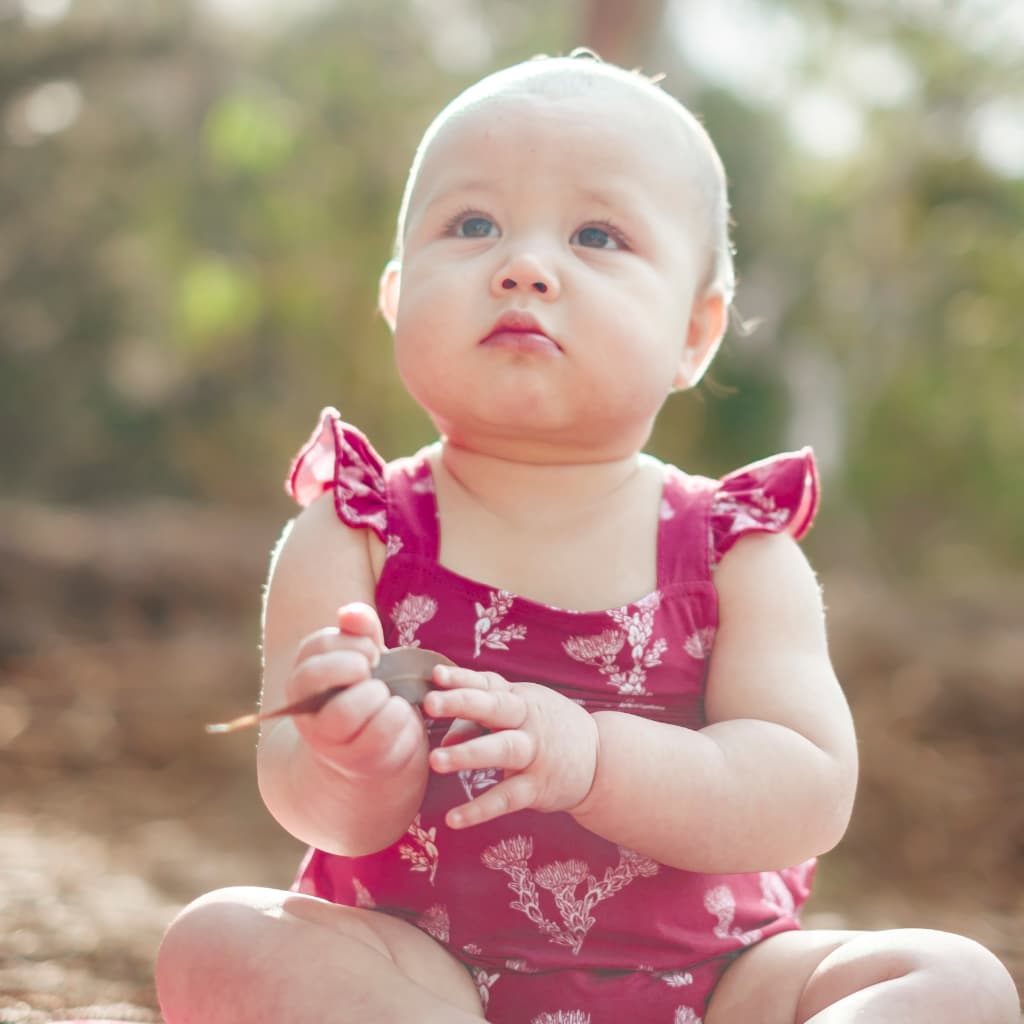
623	33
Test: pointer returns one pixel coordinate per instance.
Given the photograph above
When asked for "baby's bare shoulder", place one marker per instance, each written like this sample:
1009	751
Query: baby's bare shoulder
318	564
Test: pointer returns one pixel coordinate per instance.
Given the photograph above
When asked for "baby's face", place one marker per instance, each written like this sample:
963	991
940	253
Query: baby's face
551	290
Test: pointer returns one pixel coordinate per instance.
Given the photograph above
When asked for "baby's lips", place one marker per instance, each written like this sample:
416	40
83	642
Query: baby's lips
405	670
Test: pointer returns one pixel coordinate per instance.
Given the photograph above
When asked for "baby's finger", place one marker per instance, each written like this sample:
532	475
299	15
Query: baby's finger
321	671
329	639
510	749
513	794
359	619
343	718
452	676
498	709
388	738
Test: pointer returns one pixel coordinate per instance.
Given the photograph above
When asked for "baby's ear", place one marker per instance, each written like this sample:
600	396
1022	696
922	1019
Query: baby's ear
387	293
708	320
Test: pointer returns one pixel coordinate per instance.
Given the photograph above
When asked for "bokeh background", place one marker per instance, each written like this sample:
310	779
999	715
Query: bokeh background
196	198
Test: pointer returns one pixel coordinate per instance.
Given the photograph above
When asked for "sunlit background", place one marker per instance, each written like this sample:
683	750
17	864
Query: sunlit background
196	198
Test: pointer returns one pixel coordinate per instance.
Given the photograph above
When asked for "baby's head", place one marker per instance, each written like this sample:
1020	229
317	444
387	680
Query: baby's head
581	195
697	161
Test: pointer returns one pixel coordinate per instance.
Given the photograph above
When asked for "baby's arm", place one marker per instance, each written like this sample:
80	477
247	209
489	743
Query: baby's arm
350	778
770	781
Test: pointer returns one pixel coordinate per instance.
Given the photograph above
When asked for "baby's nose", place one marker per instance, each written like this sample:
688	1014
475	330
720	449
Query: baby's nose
509	283
525	272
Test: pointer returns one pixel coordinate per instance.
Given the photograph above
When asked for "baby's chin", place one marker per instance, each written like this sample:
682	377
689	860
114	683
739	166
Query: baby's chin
538	446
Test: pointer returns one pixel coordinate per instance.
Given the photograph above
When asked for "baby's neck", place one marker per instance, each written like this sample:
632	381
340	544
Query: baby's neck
520	492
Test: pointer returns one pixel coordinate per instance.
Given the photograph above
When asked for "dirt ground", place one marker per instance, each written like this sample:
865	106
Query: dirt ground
121	633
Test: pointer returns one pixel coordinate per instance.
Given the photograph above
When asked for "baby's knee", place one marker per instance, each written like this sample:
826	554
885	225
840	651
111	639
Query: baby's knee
975	973
955	971
209	946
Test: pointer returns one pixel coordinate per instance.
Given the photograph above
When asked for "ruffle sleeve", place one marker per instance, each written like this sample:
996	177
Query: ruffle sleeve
339	458
779	494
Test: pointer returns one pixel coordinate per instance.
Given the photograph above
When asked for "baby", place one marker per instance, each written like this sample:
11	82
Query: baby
609	811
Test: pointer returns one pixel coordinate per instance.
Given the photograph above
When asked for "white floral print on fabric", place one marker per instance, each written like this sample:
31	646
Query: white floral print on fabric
377	521
698	645
360	482
776	894
686	1015
422	853
409	614
475	782
676	979
562	1017
634	630
436	921
393	546
752	510
486	631
561	879
364	898
484	984
721	903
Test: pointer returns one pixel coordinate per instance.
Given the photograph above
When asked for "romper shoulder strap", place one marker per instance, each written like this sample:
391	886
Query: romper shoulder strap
413	526
684	529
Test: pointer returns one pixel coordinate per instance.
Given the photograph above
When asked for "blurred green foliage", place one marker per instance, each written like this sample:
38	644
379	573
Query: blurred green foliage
193	219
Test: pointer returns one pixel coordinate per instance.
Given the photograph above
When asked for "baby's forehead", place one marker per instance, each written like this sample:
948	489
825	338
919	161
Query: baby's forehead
619	96
617	103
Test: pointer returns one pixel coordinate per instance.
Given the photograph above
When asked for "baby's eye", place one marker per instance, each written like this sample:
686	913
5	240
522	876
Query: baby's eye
472	226
594	237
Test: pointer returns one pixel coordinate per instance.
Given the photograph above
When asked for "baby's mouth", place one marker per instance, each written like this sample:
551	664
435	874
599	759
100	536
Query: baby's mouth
520	331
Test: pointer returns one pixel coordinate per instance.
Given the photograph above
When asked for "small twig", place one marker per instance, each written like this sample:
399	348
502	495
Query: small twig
406	670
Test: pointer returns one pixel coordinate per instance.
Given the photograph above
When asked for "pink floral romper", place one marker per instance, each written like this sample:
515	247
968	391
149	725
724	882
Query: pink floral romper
557	925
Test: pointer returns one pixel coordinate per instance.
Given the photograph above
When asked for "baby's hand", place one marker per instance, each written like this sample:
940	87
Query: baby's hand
545	743
364	730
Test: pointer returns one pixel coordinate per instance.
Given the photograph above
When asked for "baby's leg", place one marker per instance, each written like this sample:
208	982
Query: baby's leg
907	976
258	955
